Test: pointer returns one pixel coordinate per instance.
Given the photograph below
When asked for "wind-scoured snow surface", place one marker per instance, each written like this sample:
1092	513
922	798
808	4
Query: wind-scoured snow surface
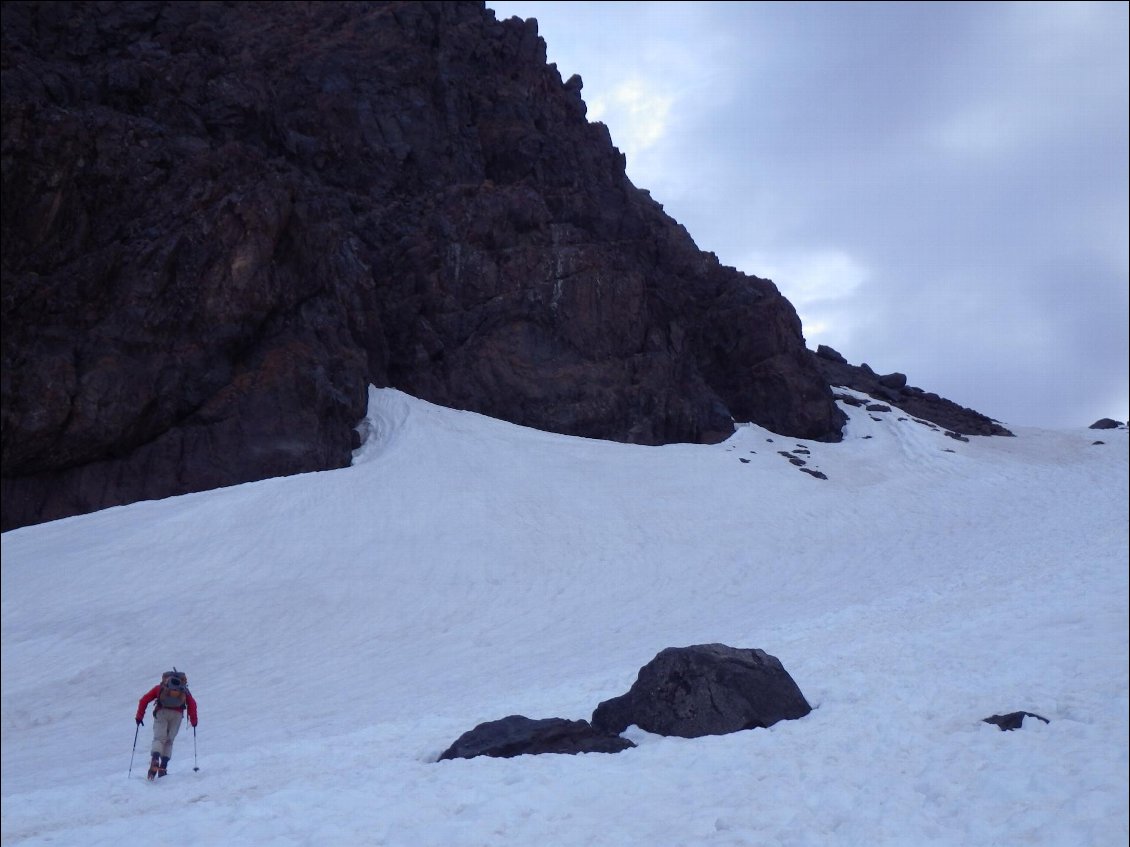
341	629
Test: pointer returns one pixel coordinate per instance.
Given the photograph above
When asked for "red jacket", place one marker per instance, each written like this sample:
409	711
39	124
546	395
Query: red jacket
152	694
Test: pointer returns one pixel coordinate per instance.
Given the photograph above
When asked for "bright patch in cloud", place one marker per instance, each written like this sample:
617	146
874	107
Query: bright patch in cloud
978	131
818	284
636	115
823	275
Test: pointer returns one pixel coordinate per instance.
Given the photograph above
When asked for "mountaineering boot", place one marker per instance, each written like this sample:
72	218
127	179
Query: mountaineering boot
154	766
163	767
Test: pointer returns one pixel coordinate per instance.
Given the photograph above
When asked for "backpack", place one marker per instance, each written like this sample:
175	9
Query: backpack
174	690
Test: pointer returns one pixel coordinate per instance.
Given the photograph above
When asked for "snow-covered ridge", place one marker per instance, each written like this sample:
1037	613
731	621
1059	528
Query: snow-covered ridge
340	629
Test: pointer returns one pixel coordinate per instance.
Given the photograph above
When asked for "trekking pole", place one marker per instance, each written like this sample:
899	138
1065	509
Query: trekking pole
136	730
194	767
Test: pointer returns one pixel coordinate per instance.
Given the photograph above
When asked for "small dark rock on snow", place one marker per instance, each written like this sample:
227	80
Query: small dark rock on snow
1013	720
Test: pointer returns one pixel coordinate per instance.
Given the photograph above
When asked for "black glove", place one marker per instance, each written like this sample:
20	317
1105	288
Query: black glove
140	722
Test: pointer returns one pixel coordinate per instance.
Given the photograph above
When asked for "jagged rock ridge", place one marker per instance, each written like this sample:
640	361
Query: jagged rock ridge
893	388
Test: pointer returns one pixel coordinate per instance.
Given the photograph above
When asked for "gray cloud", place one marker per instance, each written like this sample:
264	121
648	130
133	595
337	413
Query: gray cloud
940	188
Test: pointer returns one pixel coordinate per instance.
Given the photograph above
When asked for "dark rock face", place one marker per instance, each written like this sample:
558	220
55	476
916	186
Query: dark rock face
1106	423
708	689
893	388
222	222
1013	720
518	735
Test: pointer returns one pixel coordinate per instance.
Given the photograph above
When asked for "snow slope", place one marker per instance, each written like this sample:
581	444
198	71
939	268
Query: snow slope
341	629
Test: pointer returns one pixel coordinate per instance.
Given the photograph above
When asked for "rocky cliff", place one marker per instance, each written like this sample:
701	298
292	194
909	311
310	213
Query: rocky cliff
223	221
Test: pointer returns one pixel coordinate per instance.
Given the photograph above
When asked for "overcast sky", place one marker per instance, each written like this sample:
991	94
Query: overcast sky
940	189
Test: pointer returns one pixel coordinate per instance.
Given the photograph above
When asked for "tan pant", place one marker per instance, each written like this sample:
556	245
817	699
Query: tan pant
166	725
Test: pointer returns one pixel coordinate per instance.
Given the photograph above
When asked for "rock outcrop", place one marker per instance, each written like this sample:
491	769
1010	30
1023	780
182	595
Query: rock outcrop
689	692
222	222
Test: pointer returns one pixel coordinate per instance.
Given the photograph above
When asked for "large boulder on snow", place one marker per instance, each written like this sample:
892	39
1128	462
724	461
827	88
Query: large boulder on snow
707	689
516	735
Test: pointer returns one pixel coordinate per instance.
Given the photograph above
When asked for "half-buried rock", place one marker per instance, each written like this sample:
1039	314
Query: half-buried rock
707	689
517	735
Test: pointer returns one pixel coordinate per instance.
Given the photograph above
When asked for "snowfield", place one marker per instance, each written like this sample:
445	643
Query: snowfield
341	629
